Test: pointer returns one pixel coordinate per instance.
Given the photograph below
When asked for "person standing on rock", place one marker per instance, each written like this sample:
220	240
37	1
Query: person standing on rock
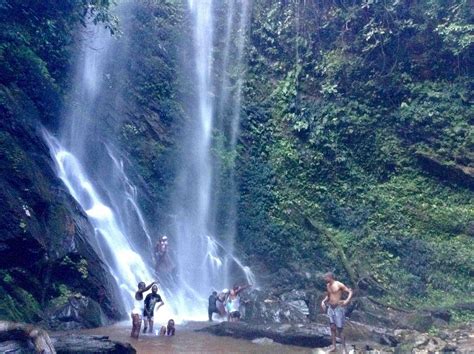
336	307
138	308
151	300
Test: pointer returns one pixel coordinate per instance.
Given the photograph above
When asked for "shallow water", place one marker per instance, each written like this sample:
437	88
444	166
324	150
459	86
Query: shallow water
187	340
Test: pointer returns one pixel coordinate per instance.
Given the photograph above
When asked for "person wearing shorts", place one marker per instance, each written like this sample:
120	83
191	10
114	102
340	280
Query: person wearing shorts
336	307
138	308
151	300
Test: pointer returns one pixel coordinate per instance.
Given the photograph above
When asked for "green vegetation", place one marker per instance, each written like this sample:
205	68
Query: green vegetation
358	115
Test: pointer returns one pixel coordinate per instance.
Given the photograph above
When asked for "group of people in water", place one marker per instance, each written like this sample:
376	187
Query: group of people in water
144	310
226	303
144	307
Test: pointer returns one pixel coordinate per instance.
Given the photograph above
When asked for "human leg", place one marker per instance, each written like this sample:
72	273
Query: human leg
150	322
136	324
340	334
339	319
333	337
209	313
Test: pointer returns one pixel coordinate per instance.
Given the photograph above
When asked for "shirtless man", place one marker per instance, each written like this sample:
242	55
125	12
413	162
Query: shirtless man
335	307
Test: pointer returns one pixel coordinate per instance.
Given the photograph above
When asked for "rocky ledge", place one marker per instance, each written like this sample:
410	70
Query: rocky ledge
302	335
26	338
313	335
69	344
360	336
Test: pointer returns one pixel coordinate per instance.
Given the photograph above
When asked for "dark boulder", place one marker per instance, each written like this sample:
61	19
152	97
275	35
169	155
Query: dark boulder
78	312
310	335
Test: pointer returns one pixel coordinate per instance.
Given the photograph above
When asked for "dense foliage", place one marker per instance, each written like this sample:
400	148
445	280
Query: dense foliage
358	144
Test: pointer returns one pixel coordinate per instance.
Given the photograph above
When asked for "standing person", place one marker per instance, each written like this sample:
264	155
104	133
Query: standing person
150	301
138	308
336	307
212	307
164	263
233	303
221	300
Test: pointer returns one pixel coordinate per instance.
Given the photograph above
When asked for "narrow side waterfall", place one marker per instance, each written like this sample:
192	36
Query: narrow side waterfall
204	205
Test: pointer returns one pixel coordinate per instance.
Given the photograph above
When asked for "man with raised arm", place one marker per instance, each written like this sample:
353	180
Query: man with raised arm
336	307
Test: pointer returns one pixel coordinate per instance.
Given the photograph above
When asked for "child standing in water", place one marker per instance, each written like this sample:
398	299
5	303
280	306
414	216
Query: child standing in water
138	308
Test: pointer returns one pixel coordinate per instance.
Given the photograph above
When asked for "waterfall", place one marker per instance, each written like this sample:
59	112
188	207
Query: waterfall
92	169
93	172
205	250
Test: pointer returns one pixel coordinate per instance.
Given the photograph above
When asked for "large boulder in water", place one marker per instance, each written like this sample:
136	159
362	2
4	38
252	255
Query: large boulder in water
315	335
78	312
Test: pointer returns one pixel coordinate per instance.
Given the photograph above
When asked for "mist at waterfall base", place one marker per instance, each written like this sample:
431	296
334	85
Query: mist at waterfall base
93	170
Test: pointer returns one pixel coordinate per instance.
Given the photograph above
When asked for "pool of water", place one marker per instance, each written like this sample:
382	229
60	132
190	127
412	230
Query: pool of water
187	340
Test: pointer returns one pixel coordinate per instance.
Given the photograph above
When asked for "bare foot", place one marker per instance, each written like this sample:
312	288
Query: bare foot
332	350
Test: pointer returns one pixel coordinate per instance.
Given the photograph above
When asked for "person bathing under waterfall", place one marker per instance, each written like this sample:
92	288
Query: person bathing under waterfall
151	300
138	308
233	302
212	307
169	330
336	307
221	301
164	264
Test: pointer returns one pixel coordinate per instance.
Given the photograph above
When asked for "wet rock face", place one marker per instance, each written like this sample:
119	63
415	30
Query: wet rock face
16	347
45	243
79	312
260	307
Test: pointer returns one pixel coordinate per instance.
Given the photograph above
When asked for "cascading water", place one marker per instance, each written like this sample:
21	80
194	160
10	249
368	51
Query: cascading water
91	168
95	177
204	263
